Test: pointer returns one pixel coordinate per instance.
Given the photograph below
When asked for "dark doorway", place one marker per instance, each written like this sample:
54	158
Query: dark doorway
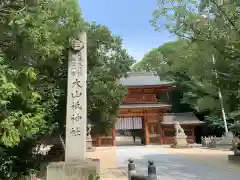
129	137
129	131
198	134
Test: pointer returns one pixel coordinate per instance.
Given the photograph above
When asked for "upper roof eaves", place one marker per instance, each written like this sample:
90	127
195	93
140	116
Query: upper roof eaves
142	79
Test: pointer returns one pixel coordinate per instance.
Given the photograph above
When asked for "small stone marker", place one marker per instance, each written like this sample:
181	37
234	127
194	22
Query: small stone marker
76	119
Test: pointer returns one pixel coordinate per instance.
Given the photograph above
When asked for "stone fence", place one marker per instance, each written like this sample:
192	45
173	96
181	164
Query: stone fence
210	141
133	175
216	142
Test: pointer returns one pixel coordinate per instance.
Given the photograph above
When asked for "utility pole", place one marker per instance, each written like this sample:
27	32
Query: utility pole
220	98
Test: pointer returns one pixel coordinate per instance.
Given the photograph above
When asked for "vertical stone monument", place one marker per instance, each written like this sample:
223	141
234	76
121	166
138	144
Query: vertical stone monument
76	166
76	100
180	139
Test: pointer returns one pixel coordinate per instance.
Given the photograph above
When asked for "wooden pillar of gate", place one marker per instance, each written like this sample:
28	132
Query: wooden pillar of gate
113	137
146	133
98	140
161	127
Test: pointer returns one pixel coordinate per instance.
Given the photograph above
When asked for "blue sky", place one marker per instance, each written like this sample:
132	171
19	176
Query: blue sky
128	19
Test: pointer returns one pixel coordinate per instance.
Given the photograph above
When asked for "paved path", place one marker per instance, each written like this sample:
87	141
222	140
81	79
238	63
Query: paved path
171	166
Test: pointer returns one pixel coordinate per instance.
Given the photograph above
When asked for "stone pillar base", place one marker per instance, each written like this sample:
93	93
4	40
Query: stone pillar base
79	170
180	146
180	141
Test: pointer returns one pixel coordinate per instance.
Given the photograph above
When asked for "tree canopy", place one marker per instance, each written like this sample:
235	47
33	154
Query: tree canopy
207	31
33	63
107	62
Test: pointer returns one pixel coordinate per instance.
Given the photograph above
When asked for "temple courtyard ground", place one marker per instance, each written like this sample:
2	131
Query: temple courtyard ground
171	164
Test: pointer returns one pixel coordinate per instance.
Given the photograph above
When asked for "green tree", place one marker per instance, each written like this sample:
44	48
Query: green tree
33	63
108	61
213	31
34	35
180	64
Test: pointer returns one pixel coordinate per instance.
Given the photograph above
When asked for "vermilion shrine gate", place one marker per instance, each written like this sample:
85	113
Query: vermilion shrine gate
147	107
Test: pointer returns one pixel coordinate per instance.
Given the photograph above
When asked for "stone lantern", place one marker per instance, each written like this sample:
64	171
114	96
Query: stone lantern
89	137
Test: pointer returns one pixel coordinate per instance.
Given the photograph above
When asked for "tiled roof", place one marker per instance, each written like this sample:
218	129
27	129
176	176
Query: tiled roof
142	79
182	118
143	105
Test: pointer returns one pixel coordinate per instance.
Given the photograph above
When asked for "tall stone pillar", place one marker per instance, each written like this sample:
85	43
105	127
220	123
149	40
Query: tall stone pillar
76	166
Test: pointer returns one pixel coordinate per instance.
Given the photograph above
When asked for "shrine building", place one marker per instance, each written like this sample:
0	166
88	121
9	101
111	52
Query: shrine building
145	113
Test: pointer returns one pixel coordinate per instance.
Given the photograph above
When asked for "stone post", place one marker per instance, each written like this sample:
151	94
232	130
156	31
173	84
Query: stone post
152	174
76	120
131	168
